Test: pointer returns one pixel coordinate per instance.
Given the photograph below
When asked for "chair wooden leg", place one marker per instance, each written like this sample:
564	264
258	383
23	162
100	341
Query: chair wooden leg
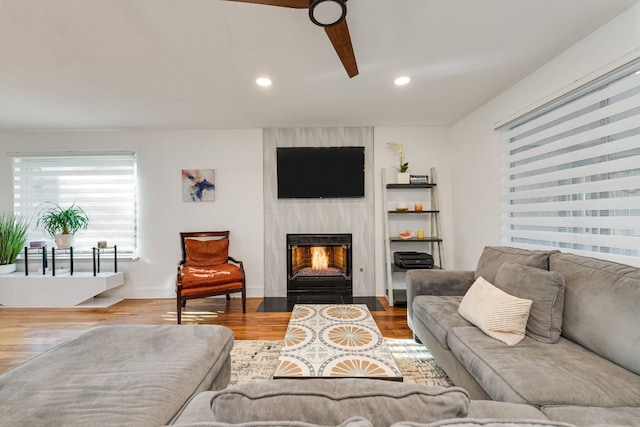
244	300
228	297
179	310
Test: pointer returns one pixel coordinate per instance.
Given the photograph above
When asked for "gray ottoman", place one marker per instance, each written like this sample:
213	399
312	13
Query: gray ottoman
116	376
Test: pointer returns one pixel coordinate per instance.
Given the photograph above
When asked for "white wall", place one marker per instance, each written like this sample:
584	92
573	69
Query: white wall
236	156
425	147
476	204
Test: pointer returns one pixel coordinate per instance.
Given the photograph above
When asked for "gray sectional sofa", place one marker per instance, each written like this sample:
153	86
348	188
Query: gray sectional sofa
177	375
577	365
585	366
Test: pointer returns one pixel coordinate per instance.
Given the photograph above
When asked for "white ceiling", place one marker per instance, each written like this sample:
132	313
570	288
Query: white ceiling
103	64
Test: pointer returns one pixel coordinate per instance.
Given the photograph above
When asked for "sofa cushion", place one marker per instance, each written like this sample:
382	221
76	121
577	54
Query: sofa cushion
496	313
194	279
493	257
477	422
439	314
332	401
428	281
601	307
582	416
546	291
504	411
536	373
351	422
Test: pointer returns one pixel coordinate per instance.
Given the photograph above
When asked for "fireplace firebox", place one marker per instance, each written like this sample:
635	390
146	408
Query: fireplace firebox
319	267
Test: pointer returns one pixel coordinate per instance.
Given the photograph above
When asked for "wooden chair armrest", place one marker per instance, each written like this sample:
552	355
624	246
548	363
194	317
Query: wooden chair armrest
179	272
236	261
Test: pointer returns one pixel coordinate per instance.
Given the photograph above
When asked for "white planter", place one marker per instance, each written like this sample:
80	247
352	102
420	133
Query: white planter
7	268
64	241
403	178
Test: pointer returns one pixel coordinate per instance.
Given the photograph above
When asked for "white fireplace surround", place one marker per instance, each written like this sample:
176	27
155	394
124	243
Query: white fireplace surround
284	216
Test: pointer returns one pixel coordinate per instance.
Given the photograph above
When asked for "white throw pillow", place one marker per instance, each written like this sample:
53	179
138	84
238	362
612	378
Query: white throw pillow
495	312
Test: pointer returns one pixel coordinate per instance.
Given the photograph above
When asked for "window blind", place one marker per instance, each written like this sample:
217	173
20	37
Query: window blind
103	184
570	171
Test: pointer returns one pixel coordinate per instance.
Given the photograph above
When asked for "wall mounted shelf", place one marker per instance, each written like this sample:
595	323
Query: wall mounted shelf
63	290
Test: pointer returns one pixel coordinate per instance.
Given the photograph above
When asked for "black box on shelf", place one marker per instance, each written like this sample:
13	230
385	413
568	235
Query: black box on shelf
413	260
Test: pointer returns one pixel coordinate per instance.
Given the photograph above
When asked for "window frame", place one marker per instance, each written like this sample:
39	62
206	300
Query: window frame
103	183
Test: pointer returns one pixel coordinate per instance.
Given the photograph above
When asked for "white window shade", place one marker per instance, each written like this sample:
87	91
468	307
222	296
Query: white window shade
570	172
103	184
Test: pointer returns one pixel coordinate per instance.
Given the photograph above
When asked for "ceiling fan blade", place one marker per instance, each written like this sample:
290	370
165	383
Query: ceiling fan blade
295	4
341	41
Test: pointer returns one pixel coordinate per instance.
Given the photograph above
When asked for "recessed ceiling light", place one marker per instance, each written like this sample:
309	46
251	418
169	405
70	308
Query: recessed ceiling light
264	81
401	81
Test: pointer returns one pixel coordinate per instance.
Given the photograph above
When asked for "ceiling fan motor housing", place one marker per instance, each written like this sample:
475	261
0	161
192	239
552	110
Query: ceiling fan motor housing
326	13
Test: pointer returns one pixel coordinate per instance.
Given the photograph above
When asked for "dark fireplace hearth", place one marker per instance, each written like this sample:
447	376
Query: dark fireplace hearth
319	268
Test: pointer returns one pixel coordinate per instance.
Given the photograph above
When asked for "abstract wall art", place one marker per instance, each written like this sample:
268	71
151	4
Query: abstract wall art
198	185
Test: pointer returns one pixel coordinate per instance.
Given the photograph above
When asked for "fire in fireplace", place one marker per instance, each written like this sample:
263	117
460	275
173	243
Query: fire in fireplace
319	265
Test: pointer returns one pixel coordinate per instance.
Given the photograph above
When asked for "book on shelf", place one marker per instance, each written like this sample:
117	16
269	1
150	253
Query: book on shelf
419	179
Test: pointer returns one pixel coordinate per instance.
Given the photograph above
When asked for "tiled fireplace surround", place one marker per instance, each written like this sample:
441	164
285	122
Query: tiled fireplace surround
285	216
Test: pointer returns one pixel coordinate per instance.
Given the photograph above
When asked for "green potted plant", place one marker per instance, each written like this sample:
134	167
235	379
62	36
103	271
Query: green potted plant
63	223
13	236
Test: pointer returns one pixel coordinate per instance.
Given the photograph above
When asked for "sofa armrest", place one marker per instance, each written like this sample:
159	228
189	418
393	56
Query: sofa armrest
436	282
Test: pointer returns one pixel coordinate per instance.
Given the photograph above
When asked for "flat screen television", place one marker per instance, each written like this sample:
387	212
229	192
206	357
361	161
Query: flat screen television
320	172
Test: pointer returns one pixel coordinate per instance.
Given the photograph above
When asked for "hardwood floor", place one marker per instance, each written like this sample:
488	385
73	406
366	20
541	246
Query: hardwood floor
27	332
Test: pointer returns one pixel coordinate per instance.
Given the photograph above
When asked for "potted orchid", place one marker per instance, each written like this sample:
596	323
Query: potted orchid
402	177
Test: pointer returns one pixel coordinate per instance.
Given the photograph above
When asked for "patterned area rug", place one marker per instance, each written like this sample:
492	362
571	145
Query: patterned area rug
253	361
334	340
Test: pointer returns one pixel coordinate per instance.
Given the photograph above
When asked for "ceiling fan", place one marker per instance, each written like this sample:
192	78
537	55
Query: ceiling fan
329	14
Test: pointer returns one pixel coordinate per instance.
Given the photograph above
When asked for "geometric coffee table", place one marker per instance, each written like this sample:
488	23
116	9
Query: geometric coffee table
334	340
